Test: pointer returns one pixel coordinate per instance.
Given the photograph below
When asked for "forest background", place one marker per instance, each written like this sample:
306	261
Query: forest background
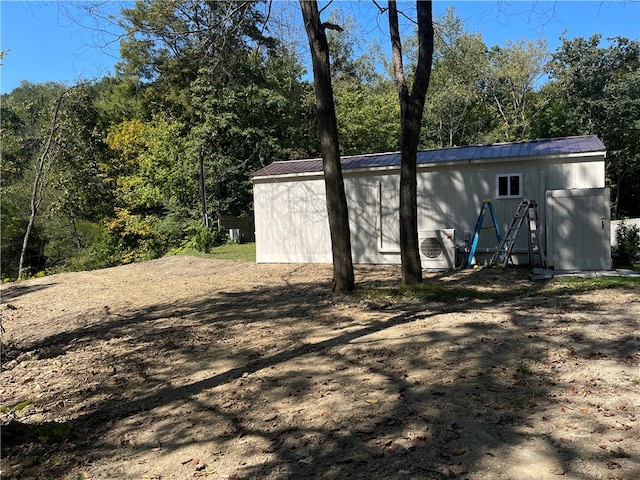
113	166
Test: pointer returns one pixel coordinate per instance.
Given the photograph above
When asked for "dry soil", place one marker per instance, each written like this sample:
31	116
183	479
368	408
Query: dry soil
188	367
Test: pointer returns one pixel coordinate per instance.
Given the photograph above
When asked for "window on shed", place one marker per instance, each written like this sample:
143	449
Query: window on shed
509	185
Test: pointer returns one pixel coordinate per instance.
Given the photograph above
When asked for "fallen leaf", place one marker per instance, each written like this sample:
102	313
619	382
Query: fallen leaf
372	401
613	465
556	471
397	449
620	453
565	440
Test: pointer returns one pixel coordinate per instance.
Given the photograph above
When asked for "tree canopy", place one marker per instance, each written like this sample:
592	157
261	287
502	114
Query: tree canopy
221	82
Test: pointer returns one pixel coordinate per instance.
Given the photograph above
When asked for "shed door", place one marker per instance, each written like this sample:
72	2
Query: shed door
578	229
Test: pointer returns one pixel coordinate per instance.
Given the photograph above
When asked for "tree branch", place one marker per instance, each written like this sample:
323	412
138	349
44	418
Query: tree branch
332	26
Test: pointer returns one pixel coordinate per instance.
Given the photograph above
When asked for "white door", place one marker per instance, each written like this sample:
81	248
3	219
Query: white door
578	229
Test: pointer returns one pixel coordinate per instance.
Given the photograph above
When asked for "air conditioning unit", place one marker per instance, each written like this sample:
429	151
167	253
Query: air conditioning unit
437	249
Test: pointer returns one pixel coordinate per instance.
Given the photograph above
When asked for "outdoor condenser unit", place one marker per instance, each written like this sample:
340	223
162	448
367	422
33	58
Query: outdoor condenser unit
437	249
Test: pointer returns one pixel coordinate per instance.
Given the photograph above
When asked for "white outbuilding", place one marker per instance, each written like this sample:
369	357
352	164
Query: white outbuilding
565	176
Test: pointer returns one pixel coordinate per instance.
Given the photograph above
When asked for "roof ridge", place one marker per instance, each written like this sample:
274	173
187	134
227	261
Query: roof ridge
515	142
576	144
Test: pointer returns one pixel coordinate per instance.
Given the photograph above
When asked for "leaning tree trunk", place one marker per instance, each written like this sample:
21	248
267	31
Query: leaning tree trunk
411	109
39	181
343	276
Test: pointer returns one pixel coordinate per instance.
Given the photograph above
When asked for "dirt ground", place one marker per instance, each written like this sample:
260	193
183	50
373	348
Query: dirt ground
187	367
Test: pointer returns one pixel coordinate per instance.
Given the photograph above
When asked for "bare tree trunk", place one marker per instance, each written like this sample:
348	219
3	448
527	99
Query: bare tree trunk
343	276
76	234
39	181
411	110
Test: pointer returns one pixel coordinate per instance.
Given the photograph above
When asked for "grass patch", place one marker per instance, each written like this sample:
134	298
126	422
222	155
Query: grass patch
55	432
523	369
16	408
578	284
22	405
426	291
243	252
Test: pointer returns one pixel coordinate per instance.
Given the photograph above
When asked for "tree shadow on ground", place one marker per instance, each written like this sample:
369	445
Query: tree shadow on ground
18	289
303	384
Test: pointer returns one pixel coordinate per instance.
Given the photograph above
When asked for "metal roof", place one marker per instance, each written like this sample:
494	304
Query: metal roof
495	151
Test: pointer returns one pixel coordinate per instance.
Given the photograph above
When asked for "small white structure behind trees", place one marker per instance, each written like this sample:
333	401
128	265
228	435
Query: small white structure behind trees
566	176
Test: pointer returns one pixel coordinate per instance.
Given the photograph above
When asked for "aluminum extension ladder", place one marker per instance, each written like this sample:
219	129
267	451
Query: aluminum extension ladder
536	254
526	209
470	248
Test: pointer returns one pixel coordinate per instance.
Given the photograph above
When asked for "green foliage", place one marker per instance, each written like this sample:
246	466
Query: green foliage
244	252
628	240
455	108
523	370
511	78
223	248
123	183
21	405
572	285
426	291
476	94
152	182
368	117
595	90
202	239
91	249
346	65
13	224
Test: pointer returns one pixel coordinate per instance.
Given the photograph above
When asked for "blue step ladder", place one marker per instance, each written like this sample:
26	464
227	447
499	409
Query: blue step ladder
470	248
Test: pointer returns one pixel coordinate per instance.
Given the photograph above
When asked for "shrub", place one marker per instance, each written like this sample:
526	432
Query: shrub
628	239
203	239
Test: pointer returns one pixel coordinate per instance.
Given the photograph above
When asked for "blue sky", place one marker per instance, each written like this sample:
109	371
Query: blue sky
45	45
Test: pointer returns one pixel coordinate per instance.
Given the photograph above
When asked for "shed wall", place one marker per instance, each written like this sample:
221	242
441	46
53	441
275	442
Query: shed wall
579	229
291	222
292	225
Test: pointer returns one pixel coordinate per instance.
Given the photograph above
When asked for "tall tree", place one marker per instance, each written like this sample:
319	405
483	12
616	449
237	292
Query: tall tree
455	101
343	276
368	117
42	167
513	71
596	92
364	96
411	111
78	196
24	124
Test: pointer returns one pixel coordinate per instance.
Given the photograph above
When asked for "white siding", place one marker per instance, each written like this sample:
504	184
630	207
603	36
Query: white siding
291	222
292	225
578	229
